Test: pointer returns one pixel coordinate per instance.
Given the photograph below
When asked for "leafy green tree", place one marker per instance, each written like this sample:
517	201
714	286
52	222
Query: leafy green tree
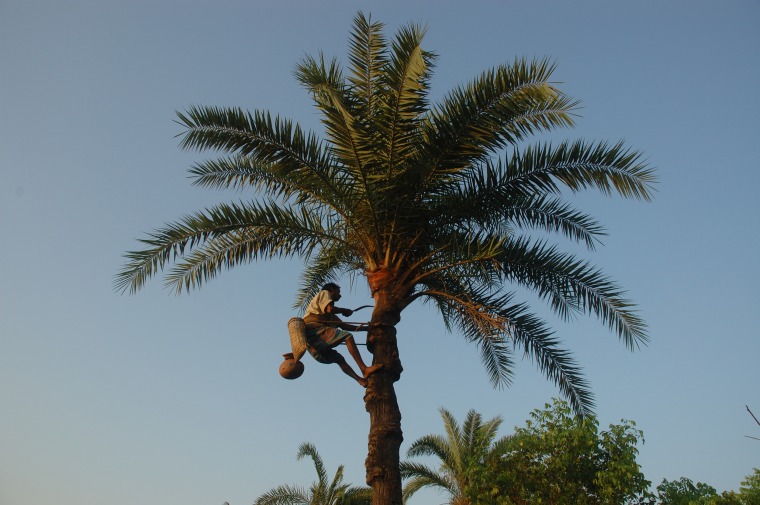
460	451
731	498
322	492
429	202
562	459
685	492
556	458
749	492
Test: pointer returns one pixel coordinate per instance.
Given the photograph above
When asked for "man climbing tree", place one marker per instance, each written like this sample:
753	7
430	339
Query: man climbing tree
325	331
437	202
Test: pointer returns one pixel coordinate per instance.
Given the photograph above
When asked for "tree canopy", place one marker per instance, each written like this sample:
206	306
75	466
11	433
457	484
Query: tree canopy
454	202
429	201
684	491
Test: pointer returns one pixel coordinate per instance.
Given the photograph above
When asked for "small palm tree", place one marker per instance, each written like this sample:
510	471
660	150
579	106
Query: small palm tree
460	451
322	492
433	202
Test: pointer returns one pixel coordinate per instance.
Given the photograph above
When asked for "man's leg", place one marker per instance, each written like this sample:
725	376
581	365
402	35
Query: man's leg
326	355
353	350
350	372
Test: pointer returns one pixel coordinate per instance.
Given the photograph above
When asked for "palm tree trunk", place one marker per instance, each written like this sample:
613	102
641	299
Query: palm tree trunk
385	436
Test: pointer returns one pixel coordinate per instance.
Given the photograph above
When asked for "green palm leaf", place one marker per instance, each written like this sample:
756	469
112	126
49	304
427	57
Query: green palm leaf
571	285
483	200
222	237
421	476
367	55
533	335
284	495
500	108
321	492
459	451
578	165
406	80
275	142
327	86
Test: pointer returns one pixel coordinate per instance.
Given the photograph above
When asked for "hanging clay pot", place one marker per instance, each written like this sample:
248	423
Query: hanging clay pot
290	368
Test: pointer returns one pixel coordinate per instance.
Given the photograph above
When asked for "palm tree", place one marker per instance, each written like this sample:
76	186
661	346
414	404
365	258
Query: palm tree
412	196
322	492
460	452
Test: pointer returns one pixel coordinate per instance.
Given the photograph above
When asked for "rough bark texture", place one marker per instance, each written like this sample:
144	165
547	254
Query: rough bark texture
385	435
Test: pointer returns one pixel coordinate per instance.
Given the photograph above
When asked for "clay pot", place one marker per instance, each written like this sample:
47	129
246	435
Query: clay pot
290	368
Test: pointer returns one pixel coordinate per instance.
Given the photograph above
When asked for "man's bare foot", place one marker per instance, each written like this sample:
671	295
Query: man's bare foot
372	369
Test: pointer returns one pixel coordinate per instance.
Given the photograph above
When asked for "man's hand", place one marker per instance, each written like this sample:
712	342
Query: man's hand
347	312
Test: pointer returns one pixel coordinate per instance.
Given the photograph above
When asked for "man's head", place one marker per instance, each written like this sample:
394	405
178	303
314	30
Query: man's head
333	289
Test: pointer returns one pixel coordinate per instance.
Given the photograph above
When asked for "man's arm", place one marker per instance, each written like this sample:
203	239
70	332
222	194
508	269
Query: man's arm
353	327
332	309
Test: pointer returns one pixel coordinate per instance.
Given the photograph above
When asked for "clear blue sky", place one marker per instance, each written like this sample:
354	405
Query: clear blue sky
158	399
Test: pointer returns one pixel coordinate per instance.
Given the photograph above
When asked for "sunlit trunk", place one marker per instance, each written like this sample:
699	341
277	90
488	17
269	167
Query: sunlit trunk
385	436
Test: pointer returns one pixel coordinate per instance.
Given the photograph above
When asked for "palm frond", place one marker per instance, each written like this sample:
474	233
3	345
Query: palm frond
272	231
472	438
572	285
430	445
554	215
321	492
465	295
534	337
484	433
222	237
240	172
502	446
367	56
273	142
499	108
336	489
466	254
455	446
307	449
579	165
235	172
495	325
421	476
355	495
284	495
337	104
483	201
406	86
459	451
350	136
496	356
475	314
